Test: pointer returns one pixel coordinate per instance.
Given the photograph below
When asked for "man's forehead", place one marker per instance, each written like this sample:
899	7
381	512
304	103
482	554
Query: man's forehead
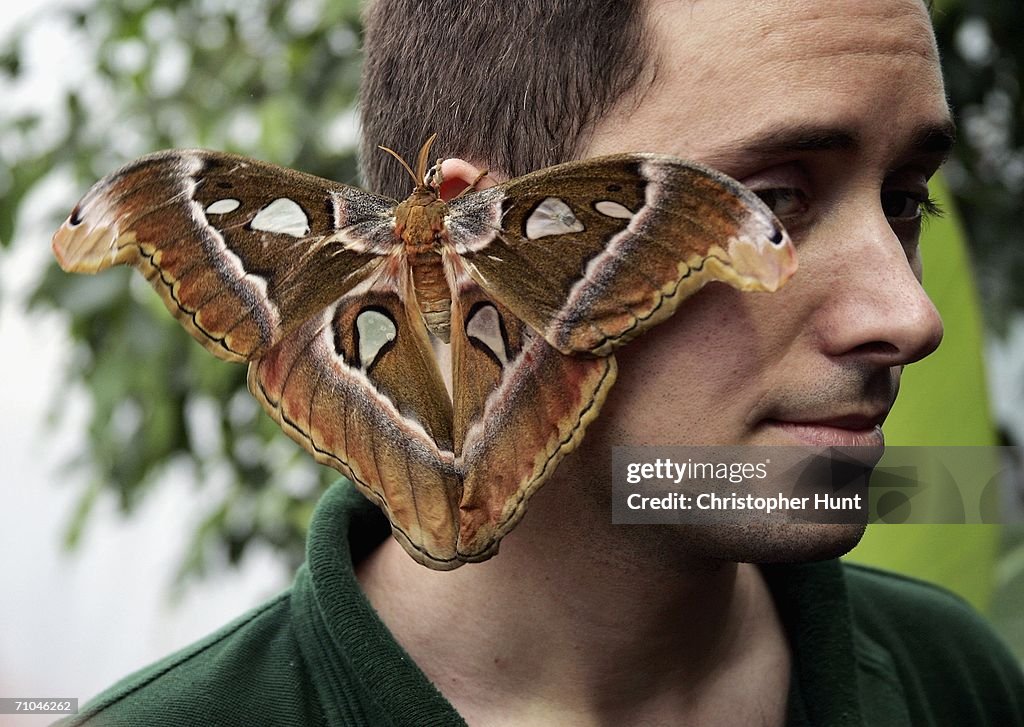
725	72
709	39
769	25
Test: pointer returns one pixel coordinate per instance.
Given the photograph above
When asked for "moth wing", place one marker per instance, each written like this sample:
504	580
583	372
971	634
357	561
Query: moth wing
592	253
520	406
357	386
242	252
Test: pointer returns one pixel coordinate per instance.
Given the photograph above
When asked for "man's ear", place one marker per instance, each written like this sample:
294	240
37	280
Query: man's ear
459	174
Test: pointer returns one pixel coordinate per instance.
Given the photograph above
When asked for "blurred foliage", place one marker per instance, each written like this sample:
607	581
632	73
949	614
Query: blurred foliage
1006	610
983	62
268	79
277	80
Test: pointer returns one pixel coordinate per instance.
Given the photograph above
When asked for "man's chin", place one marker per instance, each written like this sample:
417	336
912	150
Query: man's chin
771	542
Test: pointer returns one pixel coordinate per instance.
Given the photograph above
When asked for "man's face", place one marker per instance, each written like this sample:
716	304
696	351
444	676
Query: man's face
835	113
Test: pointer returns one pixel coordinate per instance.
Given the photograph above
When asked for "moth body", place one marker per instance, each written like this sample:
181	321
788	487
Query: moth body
419	222
432	292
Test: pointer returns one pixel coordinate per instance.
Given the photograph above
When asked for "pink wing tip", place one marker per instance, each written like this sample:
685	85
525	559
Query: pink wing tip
59	245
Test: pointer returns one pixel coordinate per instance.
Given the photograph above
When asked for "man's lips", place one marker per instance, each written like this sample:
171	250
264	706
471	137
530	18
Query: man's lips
848	430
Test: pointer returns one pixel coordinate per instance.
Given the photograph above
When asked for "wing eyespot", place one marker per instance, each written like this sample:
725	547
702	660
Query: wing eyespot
223	206
486	330
611	208
551	216
283	216
375	334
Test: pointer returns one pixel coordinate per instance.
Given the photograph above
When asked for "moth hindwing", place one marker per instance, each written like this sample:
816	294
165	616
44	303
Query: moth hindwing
335	297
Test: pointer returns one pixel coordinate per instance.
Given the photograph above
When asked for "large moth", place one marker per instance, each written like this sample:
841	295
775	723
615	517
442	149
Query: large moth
332	295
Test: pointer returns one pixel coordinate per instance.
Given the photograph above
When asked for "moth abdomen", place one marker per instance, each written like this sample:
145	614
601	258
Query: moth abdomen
432	292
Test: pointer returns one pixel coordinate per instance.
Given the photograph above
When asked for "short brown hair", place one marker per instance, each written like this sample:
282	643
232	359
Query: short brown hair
514	84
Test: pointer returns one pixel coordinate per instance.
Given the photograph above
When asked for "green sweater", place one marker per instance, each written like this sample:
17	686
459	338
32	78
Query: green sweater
869	648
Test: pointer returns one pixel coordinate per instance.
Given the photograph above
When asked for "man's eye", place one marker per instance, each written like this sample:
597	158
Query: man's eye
908	206
785	202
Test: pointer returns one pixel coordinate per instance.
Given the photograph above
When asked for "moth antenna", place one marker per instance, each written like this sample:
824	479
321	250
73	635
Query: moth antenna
421	160
402	161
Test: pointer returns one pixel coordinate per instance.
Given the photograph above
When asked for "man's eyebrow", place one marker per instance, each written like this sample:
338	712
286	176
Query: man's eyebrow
933	138
799	137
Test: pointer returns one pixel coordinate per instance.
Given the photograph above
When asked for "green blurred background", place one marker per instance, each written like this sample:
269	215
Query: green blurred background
278	81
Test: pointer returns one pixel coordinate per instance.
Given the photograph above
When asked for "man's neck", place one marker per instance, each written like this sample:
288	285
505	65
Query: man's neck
559	629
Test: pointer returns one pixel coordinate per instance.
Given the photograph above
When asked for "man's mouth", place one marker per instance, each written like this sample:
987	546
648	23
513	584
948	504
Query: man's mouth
847	430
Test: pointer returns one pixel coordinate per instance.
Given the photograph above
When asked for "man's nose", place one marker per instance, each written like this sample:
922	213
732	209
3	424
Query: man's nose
876	308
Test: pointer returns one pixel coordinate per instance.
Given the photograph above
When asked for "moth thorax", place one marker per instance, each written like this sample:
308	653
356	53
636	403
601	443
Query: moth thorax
419	221
432	292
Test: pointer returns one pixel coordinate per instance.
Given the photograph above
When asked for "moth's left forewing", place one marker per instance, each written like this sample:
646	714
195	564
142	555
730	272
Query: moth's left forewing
242	252
593	253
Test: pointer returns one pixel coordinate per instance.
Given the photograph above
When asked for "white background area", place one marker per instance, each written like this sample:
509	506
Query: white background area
58	610
71	624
